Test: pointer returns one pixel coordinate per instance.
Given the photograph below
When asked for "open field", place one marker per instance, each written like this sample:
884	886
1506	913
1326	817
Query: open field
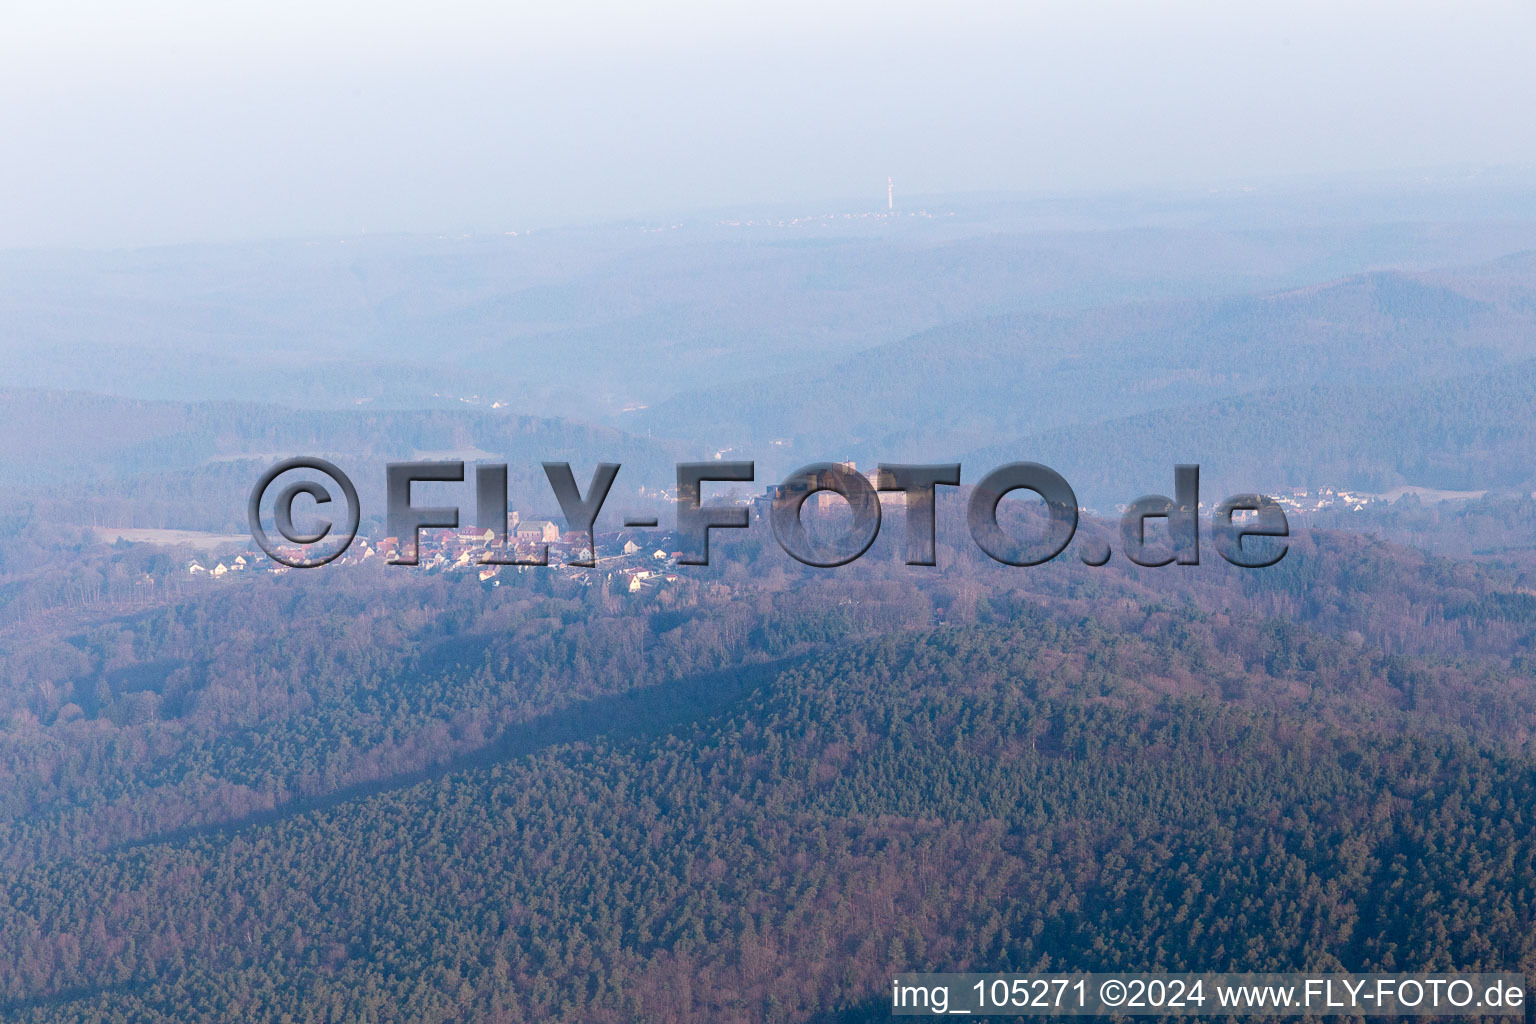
171	538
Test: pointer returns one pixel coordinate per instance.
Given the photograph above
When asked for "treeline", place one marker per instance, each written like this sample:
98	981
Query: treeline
236	699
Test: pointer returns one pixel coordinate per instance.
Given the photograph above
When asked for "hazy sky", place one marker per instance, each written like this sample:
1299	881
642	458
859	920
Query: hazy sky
173	120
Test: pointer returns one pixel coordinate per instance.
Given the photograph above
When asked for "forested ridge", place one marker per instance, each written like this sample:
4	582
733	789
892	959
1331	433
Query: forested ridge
212	706
912	803
379	796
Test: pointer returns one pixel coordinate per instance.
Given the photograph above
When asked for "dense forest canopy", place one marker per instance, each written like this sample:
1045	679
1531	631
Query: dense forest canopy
379	794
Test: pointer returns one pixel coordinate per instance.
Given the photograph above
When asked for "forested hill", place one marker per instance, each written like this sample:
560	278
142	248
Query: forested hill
375	795
910	803
1471	432
587	321
969	384
130	720
71	457
64	431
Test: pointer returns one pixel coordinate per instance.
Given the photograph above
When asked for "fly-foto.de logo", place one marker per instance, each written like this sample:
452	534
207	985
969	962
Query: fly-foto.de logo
1247	530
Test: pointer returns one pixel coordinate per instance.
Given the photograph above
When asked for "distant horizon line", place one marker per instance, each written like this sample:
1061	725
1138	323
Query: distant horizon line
1381	183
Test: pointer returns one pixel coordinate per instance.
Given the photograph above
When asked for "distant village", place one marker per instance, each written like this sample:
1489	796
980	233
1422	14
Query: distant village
1323	499
632	560
628	558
